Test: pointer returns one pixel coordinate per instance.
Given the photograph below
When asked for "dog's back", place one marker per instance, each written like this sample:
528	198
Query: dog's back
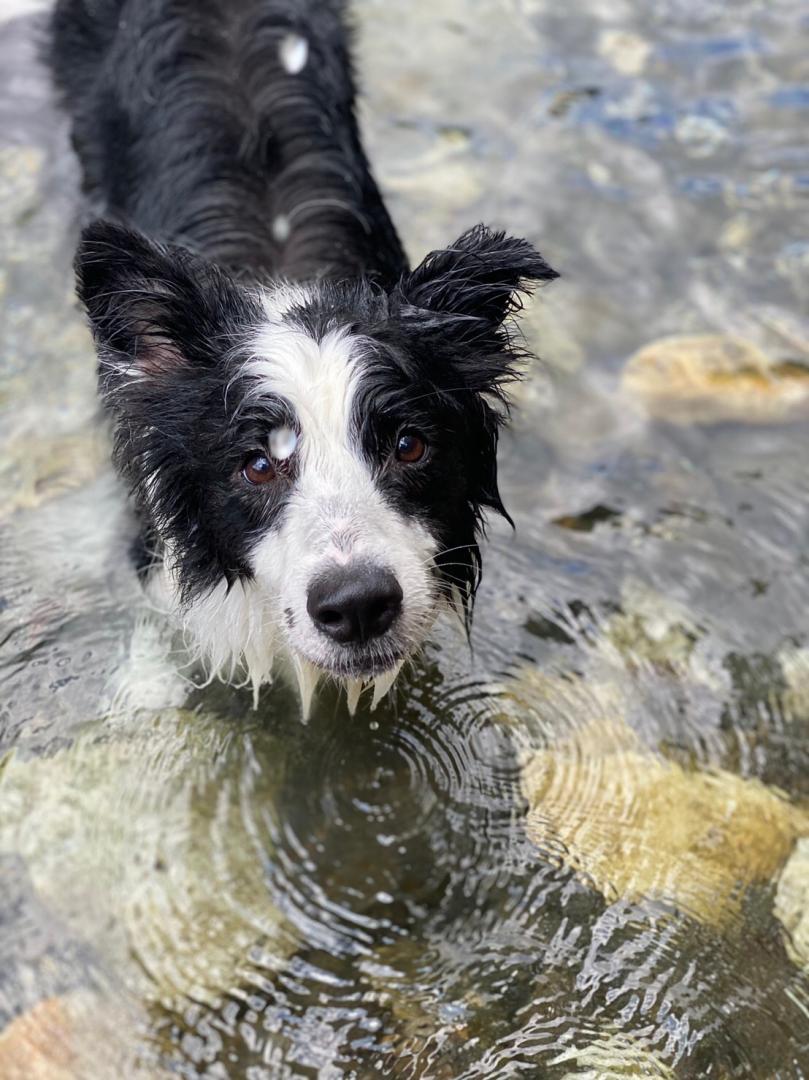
227	126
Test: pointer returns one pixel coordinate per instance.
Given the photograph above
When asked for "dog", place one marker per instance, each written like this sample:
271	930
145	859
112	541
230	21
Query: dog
308	427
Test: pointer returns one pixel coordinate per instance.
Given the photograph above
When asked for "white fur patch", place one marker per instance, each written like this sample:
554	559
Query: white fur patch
293	53
281	228
317	379
232	632
281	299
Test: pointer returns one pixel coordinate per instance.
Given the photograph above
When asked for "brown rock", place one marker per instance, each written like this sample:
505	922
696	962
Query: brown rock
77	1036
637	826
707	378
38	1044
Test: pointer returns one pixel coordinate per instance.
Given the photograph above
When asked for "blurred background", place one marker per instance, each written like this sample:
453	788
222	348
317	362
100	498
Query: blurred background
582	849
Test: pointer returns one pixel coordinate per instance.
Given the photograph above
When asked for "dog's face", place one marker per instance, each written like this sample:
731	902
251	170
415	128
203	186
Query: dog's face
312	462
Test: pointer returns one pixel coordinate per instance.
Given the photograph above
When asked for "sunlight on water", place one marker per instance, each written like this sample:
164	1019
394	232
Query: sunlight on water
581	850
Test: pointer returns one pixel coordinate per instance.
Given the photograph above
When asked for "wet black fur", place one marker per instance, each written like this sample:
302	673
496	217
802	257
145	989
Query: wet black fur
190	132
188	127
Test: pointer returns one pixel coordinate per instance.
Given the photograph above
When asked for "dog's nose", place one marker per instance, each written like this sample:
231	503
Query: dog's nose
351	605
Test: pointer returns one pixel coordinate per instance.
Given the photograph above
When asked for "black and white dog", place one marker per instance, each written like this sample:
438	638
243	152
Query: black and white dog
309	427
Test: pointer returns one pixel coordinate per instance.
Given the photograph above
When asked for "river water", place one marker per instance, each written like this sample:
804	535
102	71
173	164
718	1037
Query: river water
580	849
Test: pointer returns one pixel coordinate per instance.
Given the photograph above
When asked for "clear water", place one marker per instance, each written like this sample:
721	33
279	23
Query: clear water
576	852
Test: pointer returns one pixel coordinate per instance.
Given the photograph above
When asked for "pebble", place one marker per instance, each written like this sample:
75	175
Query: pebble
627	52
701	135
37	1044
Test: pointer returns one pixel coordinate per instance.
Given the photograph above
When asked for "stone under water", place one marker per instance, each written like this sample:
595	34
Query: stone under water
635	825
707	378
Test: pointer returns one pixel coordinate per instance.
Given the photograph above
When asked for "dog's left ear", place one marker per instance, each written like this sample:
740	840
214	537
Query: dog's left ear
473	285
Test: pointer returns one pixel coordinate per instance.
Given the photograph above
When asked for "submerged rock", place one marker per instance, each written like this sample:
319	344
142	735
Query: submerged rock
613	1055
38	1046
794	663
708	378
792	903
78	1036
141	843
634	825
35	469
628	52
652	627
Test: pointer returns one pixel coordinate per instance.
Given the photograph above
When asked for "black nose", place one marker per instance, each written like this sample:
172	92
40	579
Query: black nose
354	604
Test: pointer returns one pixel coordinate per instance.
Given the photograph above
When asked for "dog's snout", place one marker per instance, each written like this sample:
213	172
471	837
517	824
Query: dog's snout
351	605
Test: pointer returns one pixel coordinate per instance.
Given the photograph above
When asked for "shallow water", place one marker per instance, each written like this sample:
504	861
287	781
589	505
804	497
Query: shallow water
580	851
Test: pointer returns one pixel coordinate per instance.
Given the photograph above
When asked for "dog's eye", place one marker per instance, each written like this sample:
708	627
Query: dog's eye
258	469
410	447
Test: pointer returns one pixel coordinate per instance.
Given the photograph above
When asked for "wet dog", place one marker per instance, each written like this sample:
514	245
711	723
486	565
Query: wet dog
308	426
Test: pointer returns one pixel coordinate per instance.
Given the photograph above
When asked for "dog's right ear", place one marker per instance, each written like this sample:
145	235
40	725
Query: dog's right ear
474	285
153	309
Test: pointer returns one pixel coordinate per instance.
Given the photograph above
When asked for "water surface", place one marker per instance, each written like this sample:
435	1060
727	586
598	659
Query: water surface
581	850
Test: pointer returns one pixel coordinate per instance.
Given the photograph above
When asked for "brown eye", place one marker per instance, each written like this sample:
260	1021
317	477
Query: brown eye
258	469
410	447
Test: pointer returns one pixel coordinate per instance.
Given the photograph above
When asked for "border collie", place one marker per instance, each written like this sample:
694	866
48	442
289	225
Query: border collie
308	426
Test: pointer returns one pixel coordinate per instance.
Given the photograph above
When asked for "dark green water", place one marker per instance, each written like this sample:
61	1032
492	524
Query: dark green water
581	851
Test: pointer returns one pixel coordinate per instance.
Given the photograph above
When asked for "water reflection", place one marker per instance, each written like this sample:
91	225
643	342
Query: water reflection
578	851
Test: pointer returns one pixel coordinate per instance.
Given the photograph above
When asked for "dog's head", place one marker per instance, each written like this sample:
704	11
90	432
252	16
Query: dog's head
313	461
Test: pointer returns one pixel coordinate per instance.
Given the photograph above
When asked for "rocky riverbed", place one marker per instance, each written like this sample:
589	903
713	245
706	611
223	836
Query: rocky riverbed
581	850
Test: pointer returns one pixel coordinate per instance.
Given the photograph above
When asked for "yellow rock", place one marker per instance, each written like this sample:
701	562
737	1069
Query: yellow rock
634	825
792	904
613	1056
561	711
38	1045
707	378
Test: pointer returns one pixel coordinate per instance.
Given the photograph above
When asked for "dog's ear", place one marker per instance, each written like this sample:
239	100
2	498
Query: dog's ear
473	285
152	309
